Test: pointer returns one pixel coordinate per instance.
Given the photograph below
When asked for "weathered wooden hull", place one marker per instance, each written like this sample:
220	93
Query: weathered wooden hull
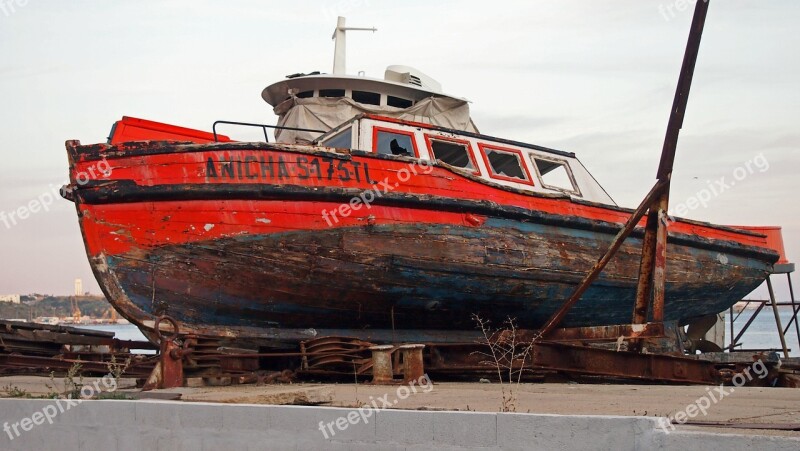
207	235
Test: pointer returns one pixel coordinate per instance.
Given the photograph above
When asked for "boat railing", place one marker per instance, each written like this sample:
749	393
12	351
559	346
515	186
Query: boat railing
264	127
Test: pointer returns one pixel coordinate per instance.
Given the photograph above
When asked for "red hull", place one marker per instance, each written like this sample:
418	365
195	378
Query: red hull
237	238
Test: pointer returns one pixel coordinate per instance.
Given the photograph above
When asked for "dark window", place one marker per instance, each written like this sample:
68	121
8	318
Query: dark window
555	174
331	92
505	164
306	94
452	153
342	140
370	98
398	102
389	143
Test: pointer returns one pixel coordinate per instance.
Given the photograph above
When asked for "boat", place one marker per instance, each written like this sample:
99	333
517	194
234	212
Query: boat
380	212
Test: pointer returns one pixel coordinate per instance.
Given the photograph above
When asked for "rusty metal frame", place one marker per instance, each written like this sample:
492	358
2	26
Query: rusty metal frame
652	275
782	331
627	365
608	333
795	309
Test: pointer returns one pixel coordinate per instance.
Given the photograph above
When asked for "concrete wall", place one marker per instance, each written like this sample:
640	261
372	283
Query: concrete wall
158	425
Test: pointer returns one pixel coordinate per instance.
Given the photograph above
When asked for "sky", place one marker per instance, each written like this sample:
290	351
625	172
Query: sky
593	77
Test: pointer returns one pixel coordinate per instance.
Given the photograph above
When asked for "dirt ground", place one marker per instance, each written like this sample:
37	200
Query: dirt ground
743	405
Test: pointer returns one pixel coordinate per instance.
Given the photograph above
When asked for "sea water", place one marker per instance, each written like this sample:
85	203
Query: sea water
763	333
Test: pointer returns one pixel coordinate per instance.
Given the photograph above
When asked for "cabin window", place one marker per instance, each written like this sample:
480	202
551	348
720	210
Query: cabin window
505	164
398	102
369	98
341	140
393	142
452	151
331	92
555	174
305	94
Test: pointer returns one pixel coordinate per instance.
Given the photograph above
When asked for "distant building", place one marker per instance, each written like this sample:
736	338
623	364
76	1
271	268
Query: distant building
10	298
78	287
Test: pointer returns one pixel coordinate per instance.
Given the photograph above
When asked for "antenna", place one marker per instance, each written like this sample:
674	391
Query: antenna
340	53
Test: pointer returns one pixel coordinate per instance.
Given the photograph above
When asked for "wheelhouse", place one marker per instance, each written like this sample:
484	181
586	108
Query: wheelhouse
508	163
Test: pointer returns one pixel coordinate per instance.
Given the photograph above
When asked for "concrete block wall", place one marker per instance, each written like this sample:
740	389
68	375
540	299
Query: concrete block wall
162	425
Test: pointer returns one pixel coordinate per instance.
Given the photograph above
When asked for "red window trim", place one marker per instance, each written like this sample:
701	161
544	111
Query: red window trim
429	141
484	146
376	130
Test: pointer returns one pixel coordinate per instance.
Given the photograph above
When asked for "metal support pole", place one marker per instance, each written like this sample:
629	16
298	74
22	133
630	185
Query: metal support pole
660	271
777	317
747	324
652	274
795	310
637	215
730	312
644	290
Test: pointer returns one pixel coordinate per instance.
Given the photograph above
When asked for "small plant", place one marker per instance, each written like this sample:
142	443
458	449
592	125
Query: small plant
12	391
52	391
117	369
72	389
508	355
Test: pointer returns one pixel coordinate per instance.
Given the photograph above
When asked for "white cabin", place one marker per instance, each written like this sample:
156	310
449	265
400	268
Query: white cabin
509	163
407	114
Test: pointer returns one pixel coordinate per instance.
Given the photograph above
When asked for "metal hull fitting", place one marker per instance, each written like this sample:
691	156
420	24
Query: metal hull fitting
231	240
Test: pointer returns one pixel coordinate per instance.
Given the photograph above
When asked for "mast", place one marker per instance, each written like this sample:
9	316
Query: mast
340	52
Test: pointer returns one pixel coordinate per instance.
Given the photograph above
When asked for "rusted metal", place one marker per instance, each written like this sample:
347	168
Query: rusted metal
777	318
660	262
382	369
343	354
413	365
795	309
36	365
14	336
38	349
746	326
653	264
168	372
628	365
630	225
608	333
644	289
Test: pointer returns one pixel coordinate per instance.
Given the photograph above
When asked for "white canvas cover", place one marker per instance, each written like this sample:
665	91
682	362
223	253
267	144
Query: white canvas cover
318	113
